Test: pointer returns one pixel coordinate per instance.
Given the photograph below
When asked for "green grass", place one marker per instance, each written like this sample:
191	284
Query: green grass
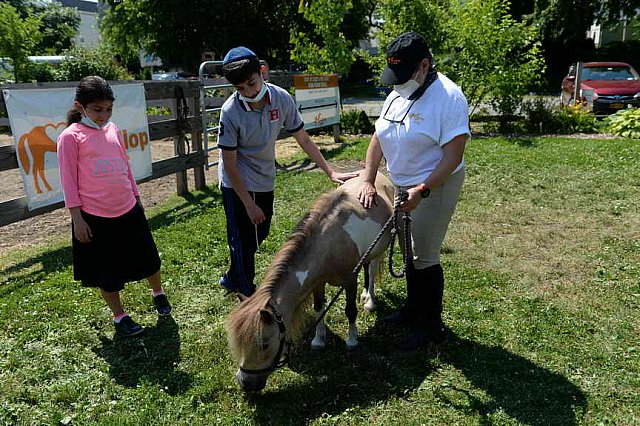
543	294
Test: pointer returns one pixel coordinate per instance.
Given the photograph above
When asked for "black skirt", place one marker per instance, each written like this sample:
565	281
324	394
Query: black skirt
121	250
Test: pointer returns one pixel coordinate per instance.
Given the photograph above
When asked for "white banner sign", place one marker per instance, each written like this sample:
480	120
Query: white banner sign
38	116
317	99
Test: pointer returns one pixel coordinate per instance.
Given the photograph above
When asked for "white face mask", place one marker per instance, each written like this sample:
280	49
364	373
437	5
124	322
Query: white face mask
407	89
90	123
256	98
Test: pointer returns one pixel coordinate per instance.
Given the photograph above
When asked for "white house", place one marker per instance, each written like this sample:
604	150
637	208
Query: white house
88	32
602	35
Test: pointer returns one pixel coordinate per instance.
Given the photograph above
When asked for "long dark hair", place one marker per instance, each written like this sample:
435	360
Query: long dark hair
90	89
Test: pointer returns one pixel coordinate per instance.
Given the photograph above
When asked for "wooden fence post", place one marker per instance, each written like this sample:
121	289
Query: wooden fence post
196	142
336	133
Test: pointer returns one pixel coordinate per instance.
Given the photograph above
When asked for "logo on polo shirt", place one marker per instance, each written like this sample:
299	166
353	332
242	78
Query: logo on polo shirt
393	61
417	117
274	114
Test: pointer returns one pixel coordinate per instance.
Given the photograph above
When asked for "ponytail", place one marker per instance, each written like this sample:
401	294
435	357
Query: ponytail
73	116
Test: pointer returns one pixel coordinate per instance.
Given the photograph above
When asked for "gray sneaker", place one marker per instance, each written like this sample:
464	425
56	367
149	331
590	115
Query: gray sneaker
128	327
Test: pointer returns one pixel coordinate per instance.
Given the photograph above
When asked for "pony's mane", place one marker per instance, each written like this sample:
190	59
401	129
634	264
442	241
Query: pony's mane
244	321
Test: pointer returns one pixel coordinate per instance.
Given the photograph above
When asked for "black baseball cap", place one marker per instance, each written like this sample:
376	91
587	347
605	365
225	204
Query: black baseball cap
403	56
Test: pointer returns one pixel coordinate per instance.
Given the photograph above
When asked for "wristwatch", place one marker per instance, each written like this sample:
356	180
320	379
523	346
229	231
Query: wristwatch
424	191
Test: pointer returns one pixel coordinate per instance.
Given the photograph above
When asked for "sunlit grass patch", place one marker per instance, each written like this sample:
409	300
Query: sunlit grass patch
542	296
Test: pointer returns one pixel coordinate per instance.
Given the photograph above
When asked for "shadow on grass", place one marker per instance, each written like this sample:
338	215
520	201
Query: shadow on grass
523	390
151	357
306	164
523	141
336	382
60	259
34	269
192	206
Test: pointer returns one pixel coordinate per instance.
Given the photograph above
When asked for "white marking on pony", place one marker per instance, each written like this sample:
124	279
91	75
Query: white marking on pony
361	231
318	341
302	276
369	290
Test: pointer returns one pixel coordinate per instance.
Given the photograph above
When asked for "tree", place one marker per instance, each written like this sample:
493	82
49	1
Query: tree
325	48
59	27
492	55
179	33
81	62
393	17
328	33
58	24
19	37
23	7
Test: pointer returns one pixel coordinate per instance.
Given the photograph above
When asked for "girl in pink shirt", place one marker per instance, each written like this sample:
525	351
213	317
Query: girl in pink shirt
111	239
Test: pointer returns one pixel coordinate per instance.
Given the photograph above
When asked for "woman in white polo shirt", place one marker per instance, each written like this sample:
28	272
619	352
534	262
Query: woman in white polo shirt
421	132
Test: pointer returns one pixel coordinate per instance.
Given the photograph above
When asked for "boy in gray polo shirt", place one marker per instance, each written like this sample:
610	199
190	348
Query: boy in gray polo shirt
250	122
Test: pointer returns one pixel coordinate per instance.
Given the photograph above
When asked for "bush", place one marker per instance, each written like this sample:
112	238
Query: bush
158	111
82	62
540	116
40	72
6	75
356	123
543	116
577	119
625	123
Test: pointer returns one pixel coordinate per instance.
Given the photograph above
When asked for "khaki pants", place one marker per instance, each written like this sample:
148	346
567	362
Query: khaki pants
430	220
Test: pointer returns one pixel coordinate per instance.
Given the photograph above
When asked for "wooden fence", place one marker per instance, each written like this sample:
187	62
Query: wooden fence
157	93
177	125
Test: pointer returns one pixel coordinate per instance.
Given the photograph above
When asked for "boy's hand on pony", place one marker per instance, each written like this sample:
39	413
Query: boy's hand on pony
342	177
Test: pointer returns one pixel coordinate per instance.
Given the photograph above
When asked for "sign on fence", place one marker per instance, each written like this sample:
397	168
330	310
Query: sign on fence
317	99
38	116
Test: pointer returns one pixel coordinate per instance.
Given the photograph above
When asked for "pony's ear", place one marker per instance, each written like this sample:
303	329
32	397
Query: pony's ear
241	297
267	316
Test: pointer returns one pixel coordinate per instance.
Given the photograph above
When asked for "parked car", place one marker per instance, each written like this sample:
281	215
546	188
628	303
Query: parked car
173	75
606	87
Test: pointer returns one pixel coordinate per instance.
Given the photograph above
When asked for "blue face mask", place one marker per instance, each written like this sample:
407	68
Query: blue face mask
256	98
90	123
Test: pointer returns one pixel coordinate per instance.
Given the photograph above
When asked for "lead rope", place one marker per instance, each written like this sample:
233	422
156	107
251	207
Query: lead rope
393	220
407	252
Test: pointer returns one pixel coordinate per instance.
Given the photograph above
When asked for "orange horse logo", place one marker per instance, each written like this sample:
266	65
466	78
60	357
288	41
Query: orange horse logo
38	143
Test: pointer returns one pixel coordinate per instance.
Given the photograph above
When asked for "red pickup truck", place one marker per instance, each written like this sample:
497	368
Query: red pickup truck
606	87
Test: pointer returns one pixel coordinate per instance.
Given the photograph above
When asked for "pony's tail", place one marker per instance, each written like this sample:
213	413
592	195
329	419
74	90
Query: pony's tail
73	116
22	153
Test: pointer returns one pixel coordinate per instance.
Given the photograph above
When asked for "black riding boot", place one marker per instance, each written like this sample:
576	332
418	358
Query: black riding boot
427	321
405	315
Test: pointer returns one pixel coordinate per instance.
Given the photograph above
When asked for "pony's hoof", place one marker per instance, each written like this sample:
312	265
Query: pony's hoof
317	345
369	307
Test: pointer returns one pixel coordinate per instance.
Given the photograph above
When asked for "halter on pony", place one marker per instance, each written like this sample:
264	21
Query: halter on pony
282	356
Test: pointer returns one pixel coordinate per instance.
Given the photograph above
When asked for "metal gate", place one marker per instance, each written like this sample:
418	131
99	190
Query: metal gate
211	101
